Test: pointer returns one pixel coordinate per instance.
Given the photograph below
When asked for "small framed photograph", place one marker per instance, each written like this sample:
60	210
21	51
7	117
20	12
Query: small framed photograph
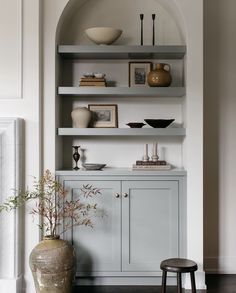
104	115
138	72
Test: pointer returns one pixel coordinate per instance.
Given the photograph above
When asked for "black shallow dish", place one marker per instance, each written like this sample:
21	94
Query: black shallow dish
159	123
135	124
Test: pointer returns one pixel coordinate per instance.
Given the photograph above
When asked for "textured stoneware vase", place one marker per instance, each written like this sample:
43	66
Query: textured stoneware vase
81	117
160	76
52	263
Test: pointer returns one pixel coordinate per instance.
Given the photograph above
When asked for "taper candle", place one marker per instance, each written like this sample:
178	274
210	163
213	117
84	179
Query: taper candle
145	156
154	152
154	149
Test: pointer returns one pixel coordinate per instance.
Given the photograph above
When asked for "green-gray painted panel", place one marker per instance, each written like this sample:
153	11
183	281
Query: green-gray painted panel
150	225
98	249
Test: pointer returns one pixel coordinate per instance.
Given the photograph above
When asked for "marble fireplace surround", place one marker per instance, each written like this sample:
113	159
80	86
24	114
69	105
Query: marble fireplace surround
11	159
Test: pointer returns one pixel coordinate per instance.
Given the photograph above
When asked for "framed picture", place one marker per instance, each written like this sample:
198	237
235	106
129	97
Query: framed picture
104	115
138	72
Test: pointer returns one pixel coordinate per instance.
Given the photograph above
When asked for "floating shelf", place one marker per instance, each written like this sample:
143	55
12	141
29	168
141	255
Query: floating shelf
121	52
171	131
123	91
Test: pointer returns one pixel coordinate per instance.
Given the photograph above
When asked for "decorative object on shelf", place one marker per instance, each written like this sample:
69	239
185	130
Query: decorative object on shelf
153	29
92	81
138	72
154	152
135	124
53	260
141	19
81	117
104	115
76	156
145	156
148	163
88	74
93	166
159	123
99	75
160	76
103	35
151	167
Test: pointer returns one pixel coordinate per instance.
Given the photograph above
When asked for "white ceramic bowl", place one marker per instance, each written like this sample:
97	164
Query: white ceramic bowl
99	75
103	35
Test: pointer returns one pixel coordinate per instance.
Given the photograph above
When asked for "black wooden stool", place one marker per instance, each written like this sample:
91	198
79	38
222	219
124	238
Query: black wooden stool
179	266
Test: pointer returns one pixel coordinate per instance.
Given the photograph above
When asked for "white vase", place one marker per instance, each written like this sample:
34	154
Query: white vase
81	117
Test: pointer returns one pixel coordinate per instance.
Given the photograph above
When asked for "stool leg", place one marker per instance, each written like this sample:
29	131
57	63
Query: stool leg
163	288
193	282
179	283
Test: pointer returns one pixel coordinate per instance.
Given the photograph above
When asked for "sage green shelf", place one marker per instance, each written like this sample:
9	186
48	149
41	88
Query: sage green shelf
122	52
171	131
123	91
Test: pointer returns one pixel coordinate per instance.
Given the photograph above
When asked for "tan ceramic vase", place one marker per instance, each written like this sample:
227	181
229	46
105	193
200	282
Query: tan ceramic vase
160	76
52	263
81	117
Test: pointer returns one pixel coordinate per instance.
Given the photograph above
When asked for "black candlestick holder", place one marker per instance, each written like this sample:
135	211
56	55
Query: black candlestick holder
141	18
76	156
153	29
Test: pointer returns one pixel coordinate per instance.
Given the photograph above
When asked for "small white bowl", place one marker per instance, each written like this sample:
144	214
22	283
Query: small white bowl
103	35
99	75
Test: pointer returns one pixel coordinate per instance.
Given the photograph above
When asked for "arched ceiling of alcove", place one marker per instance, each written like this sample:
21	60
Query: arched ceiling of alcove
123	14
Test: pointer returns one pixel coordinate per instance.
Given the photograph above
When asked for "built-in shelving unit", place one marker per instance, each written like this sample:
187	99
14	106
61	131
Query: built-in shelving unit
122	131
70	54
123	91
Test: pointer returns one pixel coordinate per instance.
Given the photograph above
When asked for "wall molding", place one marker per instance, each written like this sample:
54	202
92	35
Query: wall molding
19	92
11	146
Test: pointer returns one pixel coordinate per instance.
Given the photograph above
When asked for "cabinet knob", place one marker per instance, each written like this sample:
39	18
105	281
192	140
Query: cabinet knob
117	195
125	194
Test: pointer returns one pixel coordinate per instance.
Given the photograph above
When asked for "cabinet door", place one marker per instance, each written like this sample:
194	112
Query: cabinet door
98	249
149	224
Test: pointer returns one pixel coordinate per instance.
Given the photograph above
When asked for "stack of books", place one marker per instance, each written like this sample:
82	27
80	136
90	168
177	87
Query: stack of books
92	81
151	165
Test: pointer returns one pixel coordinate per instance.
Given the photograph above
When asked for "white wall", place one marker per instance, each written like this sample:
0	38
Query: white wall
26	107
220	136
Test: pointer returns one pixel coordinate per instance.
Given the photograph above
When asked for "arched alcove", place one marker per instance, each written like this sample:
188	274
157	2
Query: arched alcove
178	22
123	14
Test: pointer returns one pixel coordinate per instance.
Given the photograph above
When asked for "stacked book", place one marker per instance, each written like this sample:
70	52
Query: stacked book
92	81
151	165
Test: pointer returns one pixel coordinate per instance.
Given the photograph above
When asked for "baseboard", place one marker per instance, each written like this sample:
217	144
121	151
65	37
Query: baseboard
140	281
11	285
220	265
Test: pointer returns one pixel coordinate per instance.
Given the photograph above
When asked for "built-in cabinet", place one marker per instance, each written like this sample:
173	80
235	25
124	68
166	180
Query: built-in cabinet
137	223
141	216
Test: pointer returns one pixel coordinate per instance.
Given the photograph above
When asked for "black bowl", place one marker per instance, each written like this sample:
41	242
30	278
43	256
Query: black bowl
135	124
159	123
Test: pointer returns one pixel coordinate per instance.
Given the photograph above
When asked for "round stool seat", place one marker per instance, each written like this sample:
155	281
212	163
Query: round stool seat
178	265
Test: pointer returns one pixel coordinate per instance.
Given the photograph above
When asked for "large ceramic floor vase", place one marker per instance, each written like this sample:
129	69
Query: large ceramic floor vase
52	263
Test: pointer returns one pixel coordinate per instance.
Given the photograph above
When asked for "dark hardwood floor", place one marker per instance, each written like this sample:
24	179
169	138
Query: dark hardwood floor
215	284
